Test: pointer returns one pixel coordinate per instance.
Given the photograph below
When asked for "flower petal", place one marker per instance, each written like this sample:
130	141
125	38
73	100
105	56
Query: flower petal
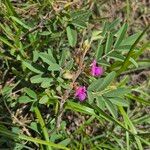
81	93
96	70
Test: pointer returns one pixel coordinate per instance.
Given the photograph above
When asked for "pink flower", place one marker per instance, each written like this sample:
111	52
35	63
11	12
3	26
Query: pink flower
81	93
96	70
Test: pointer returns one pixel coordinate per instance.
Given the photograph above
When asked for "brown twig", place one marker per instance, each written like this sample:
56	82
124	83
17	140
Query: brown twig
17	120
39	26
67	93
77	74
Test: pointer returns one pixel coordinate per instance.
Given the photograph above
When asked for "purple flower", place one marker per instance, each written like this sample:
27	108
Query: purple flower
96	70
81	93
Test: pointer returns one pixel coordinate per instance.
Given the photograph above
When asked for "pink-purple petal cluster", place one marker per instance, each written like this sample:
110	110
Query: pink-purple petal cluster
96	70
81	93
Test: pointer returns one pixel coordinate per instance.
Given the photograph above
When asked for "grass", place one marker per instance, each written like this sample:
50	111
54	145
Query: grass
46	51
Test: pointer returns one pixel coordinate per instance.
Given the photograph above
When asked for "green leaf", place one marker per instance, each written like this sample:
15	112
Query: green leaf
44	99
101	83
63	58
4	40
109	43
35	56
104	63
96	35
25	99
99	51
46	83
69	64
116	56
106	81
120	35
45	33
46	58
111	107
94	85
80	108
105	29
130	40
100	102
54	67
36	79
90	97
51	56
20	22
30	67
9	7
79	23
6	90
81	14
133	62
113	24
34	127
55	136
65	142
80	18
30	93
7	31
117	92
119	101
122	48
72	36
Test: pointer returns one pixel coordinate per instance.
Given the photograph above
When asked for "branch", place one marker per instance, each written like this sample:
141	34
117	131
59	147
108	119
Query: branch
67	92
39	26
16	119
77	74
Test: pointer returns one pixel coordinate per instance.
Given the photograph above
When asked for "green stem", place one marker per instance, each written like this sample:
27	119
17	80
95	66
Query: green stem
7	133
43	127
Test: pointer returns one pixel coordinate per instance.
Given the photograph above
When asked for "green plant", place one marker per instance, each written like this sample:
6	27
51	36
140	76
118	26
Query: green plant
46	58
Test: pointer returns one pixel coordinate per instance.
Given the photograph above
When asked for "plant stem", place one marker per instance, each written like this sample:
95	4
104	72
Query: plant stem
43	127
7	133
67	92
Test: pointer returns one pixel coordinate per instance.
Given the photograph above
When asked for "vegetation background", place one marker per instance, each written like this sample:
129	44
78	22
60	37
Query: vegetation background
36	34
